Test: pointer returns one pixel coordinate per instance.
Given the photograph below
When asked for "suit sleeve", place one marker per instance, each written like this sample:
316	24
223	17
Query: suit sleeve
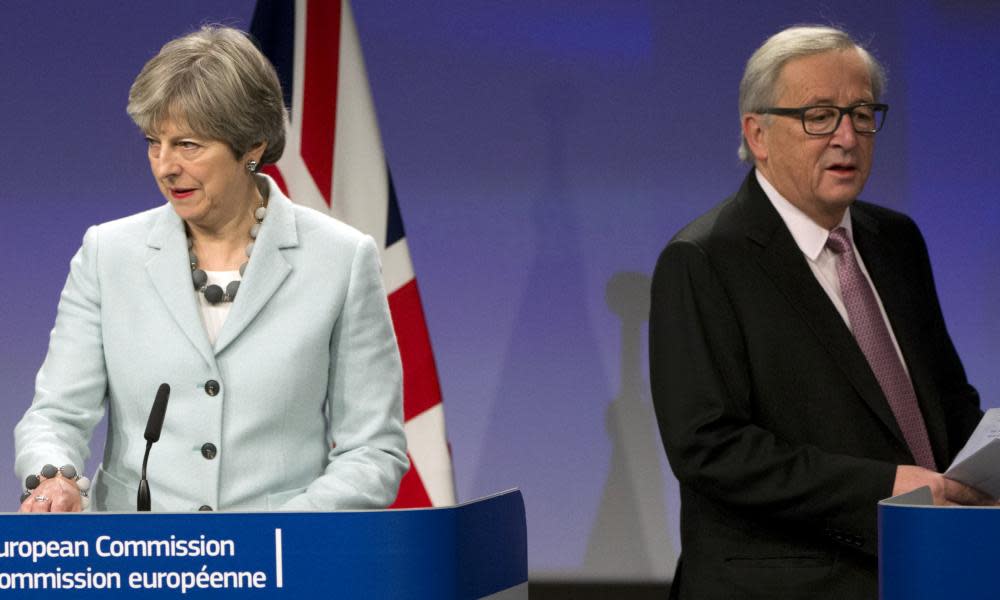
704	396
72	383
364	406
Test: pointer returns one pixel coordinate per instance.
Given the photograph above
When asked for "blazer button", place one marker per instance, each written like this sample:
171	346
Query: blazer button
211	387
205	508
208	450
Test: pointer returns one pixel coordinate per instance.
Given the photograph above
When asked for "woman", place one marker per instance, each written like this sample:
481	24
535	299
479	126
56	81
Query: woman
268	320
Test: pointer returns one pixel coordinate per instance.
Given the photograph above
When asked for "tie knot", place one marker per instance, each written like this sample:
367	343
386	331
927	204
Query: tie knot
839	241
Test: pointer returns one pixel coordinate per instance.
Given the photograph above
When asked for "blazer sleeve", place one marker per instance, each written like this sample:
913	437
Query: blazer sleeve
71	385
364	406
704	396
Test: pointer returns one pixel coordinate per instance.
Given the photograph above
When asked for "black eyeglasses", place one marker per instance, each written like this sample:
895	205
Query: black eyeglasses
824	119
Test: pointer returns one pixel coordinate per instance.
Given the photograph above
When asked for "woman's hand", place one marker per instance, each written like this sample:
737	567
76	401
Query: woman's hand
54	494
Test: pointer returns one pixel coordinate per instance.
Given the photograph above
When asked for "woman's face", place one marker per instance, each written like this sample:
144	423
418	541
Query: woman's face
207	186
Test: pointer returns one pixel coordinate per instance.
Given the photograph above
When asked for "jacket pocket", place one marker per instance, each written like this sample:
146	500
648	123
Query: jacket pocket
277	500
780	574
110	494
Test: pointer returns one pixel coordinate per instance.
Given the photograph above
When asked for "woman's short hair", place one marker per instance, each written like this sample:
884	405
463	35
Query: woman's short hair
220	85
758	88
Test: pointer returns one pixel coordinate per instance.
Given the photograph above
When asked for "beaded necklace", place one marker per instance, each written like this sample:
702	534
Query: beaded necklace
213	293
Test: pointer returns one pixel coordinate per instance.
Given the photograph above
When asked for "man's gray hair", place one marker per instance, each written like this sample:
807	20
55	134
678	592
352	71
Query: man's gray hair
758	88
220	85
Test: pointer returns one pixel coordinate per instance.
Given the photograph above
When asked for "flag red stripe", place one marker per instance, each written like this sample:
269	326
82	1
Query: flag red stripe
319	107
421	389
412	493
275	173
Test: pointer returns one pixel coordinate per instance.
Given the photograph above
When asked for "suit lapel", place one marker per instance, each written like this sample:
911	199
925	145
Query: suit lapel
171	278
266	270
782	261
894	286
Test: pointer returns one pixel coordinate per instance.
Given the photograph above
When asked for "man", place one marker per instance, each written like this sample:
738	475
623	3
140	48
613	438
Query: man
800	366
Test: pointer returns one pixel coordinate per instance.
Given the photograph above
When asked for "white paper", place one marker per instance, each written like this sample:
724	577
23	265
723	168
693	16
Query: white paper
978	464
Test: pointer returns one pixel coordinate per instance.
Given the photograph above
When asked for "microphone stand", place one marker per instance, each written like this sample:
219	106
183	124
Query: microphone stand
144	502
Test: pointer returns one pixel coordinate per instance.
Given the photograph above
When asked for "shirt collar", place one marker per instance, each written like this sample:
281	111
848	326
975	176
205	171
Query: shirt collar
809	236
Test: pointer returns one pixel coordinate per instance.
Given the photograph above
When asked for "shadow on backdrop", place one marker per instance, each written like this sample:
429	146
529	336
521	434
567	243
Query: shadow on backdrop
630	538
546	415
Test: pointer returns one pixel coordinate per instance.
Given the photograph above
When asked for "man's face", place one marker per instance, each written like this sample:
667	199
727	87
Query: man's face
820	174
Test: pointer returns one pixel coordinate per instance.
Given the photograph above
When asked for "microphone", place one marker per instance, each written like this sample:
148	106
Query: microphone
153	426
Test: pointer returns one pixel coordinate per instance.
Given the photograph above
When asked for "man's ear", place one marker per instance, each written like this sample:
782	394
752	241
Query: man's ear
755	133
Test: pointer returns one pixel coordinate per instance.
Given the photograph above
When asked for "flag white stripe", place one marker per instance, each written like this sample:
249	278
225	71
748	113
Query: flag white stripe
293	139
360	179
426	437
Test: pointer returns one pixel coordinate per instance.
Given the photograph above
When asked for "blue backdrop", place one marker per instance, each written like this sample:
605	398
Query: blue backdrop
543	154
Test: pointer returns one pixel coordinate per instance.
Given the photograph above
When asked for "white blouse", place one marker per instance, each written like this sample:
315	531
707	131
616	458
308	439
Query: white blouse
214	315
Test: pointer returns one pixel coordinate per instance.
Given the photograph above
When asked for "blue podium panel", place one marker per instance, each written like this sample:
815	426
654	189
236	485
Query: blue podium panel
472	550
937	552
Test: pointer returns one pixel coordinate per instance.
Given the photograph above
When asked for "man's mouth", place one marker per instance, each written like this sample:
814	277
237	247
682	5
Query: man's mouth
842	168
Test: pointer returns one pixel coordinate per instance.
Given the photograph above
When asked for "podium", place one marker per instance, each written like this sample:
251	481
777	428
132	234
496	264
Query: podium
928	551
472	550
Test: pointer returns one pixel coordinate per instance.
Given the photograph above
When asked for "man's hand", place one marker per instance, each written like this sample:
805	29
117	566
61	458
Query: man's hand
946	492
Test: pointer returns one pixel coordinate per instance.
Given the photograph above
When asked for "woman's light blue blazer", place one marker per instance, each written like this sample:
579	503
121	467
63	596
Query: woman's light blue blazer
308	412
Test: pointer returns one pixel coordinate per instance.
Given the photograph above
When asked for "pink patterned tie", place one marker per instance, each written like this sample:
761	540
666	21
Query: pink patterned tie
872	335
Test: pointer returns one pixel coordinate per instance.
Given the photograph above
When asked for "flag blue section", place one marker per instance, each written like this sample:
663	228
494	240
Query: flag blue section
273	27
394	221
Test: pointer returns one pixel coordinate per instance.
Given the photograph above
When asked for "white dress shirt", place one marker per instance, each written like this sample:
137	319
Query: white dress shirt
811	239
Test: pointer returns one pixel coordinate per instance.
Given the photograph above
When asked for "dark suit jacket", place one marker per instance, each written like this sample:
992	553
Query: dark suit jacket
772	420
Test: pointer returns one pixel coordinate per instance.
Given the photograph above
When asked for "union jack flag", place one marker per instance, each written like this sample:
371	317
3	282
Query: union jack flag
333	162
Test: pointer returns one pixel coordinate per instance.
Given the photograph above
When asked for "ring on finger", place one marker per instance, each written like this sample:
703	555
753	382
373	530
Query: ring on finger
42	498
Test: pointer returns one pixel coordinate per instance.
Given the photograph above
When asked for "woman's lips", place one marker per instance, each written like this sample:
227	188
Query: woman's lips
181	193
